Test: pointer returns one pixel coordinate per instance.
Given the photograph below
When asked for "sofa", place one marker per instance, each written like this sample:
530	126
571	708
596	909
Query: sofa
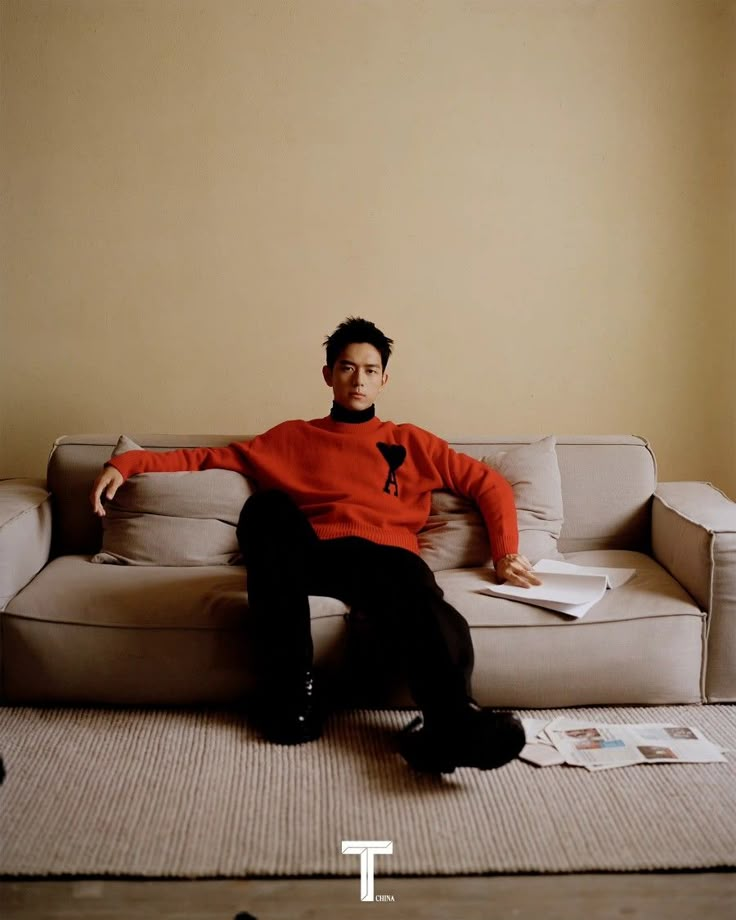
82	623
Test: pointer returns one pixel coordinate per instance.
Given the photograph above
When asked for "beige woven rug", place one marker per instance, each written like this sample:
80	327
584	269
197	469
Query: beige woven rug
196	794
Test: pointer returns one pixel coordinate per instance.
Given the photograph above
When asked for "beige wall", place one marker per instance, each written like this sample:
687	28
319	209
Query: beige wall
535	198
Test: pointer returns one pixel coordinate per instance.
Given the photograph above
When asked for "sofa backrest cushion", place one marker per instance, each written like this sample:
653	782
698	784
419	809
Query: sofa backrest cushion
607	485
173	518
455	536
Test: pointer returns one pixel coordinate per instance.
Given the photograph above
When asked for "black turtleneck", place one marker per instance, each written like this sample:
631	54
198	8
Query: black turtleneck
339	413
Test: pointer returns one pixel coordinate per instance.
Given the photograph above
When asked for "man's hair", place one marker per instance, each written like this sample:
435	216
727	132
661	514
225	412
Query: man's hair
355	330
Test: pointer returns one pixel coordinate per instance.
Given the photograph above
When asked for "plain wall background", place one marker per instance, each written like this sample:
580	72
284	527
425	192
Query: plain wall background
535	198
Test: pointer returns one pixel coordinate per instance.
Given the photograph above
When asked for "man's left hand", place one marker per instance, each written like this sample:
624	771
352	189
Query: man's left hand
516	570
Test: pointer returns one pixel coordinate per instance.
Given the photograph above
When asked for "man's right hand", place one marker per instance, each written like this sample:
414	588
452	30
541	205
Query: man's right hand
107	483
516	570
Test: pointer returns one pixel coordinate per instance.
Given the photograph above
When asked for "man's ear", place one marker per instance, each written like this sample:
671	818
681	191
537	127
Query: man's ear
385	381
327	374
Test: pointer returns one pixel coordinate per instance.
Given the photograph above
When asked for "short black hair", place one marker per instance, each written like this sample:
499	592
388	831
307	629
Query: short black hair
355	329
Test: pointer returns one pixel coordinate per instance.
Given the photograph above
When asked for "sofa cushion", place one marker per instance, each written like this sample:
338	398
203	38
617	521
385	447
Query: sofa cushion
70	590
455	535
652	592
173	519
642	643
140	634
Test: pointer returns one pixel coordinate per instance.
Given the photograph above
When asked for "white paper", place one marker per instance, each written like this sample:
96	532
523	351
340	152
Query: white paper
542	755
573	595
566	588
614	577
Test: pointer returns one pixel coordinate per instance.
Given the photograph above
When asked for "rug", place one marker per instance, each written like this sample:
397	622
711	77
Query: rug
195	794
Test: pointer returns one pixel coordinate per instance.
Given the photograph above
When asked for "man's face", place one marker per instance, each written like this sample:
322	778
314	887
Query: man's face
357	377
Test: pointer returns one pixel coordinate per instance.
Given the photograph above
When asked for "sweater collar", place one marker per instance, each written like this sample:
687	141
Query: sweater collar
339	413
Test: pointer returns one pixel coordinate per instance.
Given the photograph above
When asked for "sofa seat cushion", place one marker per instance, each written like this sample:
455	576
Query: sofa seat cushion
651	592
643	643
81	632
71	589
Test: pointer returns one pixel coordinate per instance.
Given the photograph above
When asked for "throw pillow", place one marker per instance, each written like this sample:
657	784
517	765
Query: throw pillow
173	518
455	535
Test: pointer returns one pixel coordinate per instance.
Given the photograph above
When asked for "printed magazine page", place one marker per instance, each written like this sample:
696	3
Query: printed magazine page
603	746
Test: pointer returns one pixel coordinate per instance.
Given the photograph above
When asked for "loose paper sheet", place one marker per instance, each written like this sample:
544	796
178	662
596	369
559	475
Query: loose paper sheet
566	588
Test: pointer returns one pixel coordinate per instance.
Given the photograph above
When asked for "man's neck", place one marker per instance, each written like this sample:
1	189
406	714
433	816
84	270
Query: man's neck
339	413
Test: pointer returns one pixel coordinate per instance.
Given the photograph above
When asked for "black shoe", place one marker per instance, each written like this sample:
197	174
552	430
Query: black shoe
290	715
473	737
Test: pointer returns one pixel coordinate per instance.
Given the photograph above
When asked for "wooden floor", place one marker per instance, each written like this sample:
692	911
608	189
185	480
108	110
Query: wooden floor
669	896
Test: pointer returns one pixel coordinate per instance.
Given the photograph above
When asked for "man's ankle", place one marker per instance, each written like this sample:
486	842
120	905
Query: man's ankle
443	717
290	711
477	737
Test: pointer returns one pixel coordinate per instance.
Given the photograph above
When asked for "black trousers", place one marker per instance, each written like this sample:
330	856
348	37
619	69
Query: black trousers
393	587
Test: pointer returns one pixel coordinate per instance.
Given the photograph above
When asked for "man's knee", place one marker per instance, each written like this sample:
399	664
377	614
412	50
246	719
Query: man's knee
409	572
261	509
270	516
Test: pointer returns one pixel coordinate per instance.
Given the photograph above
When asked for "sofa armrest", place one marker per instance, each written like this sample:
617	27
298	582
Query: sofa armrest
694	538
25	533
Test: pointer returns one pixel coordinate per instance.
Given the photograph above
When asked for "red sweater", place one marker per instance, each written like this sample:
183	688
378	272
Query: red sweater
372	479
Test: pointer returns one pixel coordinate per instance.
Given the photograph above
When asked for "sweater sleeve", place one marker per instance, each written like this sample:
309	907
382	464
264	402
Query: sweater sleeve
492	493
233	457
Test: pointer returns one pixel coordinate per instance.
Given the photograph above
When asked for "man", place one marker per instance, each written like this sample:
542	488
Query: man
339	503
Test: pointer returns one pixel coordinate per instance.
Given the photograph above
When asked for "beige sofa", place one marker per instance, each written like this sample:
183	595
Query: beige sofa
74	630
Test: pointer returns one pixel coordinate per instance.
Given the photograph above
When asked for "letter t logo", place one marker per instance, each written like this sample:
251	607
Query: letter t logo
366	849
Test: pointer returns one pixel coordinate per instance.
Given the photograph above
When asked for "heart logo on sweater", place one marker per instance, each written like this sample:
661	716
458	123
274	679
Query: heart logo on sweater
394	455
